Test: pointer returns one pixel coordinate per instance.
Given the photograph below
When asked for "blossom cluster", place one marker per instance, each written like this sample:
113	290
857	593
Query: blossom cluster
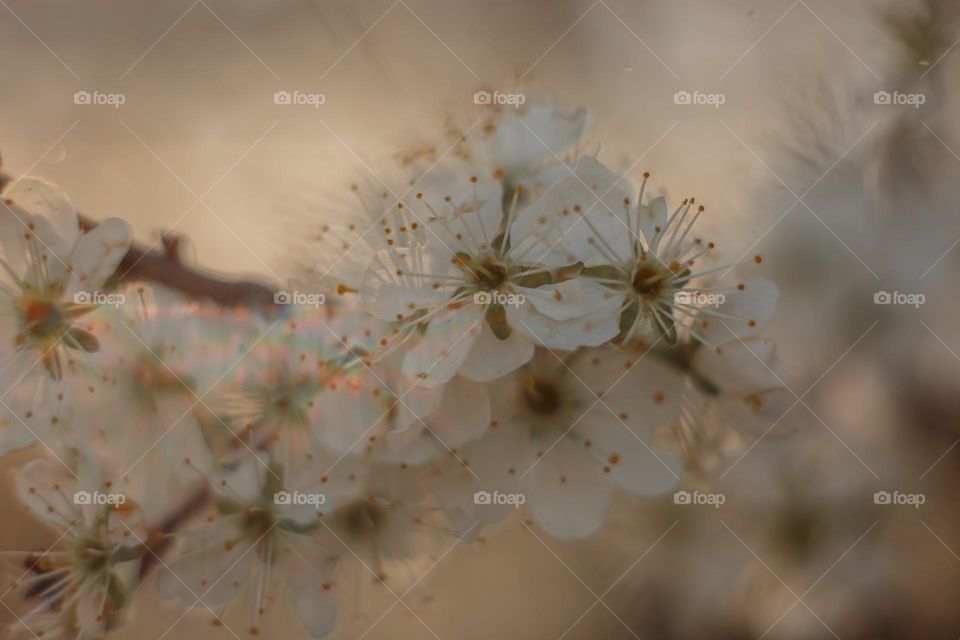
514	328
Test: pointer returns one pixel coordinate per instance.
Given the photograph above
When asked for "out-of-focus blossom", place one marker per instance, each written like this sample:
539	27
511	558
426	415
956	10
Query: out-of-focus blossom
564	434
77	587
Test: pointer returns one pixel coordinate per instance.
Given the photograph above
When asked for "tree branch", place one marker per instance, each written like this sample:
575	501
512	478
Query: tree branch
165	267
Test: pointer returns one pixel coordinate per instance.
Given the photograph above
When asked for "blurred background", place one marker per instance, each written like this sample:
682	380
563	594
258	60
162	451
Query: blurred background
830	146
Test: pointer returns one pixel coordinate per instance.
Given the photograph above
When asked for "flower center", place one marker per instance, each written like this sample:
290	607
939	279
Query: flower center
151	377
286	403
492	276
257	522
40	318
487	273
542	397
361	518
92	557
652	279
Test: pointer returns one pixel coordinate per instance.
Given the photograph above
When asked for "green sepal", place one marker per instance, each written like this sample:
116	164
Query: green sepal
533	280
227	506
602	272
568	272
627	317
496	317
51	362
296	527
681	279
465	262
77	338
116	591
125	554
669	331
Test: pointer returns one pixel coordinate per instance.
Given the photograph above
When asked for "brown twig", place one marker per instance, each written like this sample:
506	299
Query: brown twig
160	543
165	267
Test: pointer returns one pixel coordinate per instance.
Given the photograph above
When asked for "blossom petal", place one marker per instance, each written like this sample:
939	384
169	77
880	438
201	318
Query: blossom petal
582	215
463	415
45	200
750	308
494	463
213	565
760	413
569	493
742	366
444	346
490	357
308	573
533	137
593	329
638	398
97	254
389	291
652	219
569	299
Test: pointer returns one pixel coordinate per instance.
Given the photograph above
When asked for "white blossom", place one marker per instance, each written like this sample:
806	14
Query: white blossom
76	588
564	434
51	276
